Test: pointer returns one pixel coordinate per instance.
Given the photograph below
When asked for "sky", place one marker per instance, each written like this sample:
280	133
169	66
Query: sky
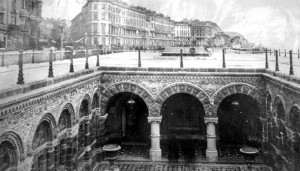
271	23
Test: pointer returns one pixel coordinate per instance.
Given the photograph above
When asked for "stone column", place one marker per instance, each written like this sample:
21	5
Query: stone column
63	151
56	157
43	161
211	151
50	159
69	142
35	164
87	155
155	151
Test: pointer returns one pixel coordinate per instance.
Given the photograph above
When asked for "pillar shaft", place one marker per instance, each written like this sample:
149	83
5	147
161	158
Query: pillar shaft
155	151
56	157
50	159
69	154
211	151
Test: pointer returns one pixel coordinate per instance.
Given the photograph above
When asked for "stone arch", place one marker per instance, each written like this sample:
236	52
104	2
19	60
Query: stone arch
294	118
48	117
15	140
86	98
238	88
70	109
130	87
279	108
97	92
183	87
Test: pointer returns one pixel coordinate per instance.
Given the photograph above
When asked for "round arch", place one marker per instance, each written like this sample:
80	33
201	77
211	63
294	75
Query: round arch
96	98
294	116
15	140
86	99
69	107
187	88
129	87
238	88
48	117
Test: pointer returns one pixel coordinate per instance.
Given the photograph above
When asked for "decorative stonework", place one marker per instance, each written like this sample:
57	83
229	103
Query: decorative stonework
120	87
22	116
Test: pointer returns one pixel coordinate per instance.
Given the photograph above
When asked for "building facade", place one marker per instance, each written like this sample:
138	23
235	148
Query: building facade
53	33
66	127
115	23
19	21
201	33
182	33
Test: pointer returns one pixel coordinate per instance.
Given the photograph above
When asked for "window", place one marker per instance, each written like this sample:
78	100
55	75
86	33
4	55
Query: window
103	28
13	20
23	4
95	6
95	28
13	4
1	18
103	16
95	16
103	6
95	41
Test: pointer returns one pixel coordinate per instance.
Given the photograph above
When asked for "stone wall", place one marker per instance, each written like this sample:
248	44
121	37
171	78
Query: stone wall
20	116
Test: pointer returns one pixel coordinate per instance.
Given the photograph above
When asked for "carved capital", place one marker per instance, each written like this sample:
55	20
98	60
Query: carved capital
102	118
154	119
211	120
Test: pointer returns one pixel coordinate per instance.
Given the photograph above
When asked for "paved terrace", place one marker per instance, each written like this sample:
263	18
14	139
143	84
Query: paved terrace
36	74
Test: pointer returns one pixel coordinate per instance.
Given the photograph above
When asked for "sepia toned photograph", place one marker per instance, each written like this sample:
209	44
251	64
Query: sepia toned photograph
149	85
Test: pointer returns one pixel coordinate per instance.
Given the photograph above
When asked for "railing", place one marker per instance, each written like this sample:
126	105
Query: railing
30	66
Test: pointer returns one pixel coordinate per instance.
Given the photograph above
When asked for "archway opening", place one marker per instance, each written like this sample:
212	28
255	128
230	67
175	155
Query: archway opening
239	122
183	131
127	119
42	135
8	156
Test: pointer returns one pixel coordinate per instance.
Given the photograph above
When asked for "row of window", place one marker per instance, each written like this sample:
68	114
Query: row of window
119	11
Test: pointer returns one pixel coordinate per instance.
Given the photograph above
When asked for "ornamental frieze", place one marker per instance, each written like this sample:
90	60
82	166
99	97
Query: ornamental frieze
15	114
208	83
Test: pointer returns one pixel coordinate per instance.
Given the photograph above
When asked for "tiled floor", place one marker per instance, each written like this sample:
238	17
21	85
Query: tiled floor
180	167
140	151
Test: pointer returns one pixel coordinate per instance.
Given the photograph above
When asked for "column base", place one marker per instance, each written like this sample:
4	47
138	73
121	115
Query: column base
212	155
155	155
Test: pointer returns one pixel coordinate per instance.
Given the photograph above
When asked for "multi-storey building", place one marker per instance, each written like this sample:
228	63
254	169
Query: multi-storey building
52	32
19	23
113	22
182	33
200	32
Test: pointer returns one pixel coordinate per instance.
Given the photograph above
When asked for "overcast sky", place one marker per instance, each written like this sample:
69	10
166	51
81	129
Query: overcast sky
273	23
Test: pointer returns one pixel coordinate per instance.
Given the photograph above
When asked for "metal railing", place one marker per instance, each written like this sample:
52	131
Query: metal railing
37	62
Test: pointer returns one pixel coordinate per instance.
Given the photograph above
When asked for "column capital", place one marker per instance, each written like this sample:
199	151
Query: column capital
211	120
154	119
103	117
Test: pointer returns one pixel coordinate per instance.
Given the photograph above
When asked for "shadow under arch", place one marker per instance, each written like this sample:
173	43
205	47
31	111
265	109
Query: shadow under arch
129	87
15	140
239	121
127	118
182	87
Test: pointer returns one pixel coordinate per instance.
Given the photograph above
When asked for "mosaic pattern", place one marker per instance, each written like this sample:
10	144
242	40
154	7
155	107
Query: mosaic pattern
224	152
180	167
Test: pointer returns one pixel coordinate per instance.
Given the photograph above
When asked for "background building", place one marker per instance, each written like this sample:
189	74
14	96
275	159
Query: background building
201	33
52	33
19	21
114	23
182	33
